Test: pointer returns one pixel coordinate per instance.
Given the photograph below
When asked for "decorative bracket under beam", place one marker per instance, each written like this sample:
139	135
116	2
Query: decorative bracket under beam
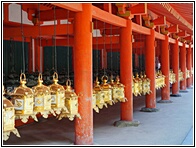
147	21
164	30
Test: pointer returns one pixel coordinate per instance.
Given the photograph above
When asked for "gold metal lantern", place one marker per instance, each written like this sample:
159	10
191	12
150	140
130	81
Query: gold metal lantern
145	85
8	119
181	78
118	93
136	87
23	100
71	103
94	105
99	94
107	89
57	95
42	99
160	80
187	73
172	77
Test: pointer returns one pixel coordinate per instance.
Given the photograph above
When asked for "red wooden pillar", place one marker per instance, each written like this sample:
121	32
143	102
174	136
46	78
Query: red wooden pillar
150	72
189	65
183	67
103	54
175	67
83	74
126	75
165	67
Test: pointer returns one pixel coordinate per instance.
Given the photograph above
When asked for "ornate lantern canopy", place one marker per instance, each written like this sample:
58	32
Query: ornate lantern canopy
8	119
71	103
107	89
42	99
23	100
57	95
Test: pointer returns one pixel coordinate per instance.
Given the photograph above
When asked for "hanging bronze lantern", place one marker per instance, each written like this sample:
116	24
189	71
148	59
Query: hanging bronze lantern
172	77
139	80
118	93
23	100
42	99
136	86
8	119
181	78
100	95
107	89
145	85
57	95
71	103
187	73
94	102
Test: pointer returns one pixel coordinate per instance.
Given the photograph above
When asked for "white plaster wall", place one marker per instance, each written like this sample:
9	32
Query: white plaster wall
15	14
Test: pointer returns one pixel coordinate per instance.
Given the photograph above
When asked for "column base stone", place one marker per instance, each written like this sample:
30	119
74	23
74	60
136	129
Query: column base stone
183	91
164	101
145	109
123	123
175	95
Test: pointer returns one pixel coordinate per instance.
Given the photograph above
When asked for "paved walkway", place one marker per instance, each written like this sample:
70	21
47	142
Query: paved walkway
171	125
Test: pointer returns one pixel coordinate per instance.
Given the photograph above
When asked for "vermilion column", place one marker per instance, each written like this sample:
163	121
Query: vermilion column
126	76
126	70
165	67
189	65
150	72
175	68
183	67
83	74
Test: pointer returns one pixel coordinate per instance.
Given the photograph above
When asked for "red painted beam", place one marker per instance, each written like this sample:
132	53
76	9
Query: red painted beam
70	6
33	31
107	17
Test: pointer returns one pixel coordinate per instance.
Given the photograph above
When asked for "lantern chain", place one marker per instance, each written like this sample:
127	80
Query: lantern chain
97	73
68	42
104	43
55	54
111	56
39	29
23	55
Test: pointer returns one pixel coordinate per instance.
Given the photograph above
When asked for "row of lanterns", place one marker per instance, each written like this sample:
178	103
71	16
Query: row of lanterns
160	80
107	93
26	102
63	102
141	85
